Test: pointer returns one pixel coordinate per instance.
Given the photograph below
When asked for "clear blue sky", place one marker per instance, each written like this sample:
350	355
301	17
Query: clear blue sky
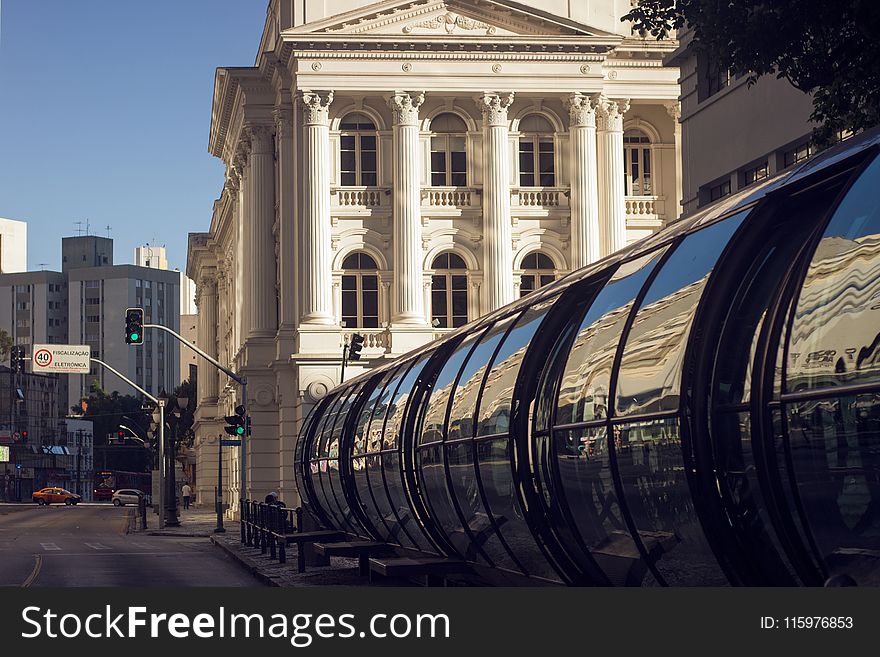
105	107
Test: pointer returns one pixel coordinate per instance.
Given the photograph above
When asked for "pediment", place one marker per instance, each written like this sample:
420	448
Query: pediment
447	18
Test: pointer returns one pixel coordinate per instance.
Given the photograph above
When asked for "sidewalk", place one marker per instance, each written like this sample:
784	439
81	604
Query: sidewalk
193	523
342	571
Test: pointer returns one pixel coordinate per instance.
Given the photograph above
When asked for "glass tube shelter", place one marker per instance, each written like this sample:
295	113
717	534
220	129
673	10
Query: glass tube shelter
700	408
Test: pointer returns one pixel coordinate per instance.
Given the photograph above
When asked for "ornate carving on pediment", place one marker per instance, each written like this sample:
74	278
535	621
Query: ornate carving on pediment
451	21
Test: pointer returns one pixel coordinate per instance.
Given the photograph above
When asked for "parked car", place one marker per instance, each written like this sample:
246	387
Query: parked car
128	496
49	496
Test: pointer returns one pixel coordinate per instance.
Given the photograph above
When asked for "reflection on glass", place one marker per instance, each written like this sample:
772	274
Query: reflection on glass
494	412
835	339
650	370
467	493
584	393
589	493
651	468
835	454
434	426
464	399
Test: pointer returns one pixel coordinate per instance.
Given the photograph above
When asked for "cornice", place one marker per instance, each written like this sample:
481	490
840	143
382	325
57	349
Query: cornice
491	56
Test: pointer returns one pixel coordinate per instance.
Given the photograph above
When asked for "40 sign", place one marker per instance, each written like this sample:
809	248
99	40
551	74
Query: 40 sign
61	358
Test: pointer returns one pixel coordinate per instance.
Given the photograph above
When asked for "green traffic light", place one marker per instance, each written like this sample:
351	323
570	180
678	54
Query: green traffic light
239	431
135	337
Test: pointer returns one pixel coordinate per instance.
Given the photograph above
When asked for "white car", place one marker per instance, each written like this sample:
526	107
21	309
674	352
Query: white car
127	496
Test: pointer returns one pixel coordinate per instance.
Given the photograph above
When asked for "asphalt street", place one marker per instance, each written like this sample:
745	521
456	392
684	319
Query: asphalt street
87	545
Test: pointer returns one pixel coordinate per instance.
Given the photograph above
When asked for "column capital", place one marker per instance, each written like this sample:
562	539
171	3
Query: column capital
232	179
674	110
494	107
610	112
259	136
207	283
405	106
316	106
581	110
242	154
283	116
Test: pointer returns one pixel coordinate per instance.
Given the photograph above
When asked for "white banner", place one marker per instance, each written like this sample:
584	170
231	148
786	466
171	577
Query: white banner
60	358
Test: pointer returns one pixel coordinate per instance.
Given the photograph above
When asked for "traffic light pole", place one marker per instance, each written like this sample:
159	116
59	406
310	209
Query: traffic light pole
161	404
241	380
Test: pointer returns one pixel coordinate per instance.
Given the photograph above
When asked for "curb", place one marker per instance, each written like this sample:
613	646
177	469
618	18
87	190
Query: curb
252	569
178	534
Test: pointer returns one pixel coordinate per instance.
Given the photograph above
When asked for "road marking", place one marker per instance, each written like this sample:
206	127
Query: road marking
145	546
38	563
98	546
49	546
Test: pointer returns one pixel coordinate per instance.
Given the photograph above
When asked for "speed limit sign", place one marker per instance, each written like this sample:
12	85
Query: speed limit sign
43	358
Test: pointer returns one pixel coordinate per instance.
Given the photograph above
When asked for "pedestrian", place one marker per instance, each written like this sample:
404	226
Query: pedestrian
186	491
271	498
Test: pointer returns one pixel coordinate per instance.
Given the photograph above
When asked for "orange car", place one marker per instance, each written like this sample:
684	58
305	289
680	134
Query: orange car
49	496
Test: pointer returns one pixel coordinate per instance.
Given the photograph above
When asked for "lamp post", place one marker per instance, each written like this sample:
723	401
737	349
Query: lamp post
171	519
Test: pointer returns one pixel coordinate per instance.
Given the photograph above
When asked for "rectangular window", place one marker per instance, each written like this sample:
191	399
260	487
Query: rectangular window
369	175
526	163
92	284
755	174
797	154
719	191
349	301
348	160
438	168
546	164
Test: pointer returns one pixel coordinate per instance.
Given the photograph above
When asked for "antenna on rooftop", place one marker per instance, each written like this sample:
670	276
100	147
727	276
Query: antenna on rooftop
79	229
108	230
42	265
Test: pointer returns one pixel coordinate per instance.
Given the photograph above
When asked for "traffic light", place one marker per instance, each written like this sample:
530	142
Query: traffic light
355	346
24	436
120	436
134	326
239	425
16	358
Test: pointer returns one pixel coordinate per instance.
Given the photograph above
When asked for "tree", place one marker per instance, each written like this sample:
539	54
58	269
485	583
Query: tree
5	344
827	49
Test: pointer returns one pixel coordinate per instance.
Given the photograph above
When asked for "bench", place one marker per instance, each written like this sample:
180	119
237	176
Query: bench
360	549
433	569
301	539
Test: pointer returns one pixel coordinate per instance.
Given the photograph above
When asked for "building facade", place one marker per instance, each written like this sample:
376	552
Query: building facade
85	304
481	150
770	121
13	246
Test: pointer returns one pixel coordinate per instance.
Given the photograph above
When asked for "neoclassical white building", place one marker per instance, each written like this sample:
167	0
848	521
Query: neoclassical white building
400	168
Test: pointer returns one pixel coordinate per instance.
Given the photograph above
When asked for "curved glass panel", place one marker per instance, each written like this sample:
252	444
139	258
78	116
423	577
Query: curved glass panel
333	450
835	338
584	392
431	460
650	370
367	466
655	485
395	486
318	466
835	452
493	416
494	456
460	449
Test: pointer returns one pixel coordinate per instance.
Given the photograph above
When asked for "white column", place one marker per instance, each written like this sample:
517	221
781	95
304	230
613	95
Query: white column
208	336
239	327
585	239
674	110
287	258
317	256
497	231
408	301
260	243
612	204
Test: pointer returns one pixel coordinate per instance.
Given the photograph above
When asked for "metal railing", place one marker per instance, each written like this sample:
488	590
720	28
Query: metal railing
264	525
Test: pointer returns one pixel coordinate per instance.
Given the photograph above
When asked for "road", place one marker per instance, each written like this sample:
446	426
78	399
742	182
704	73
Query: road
87	545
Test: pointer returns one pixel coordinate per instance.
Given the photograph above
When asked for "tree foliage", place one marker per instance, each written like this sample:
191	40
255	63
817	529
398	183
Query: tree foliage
108	410
828	49
5	344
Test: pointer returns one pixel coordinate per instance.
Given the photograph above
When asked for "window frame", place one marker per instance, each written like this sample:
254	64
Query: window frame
536	273
447	152
359	275
357	134
449	273
642	147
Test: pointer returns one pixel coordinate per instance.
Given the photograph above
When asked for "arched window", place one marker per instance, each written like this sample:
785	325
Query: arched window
538	271
360	292
637	163
357	151
537	166
449	291
448	151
